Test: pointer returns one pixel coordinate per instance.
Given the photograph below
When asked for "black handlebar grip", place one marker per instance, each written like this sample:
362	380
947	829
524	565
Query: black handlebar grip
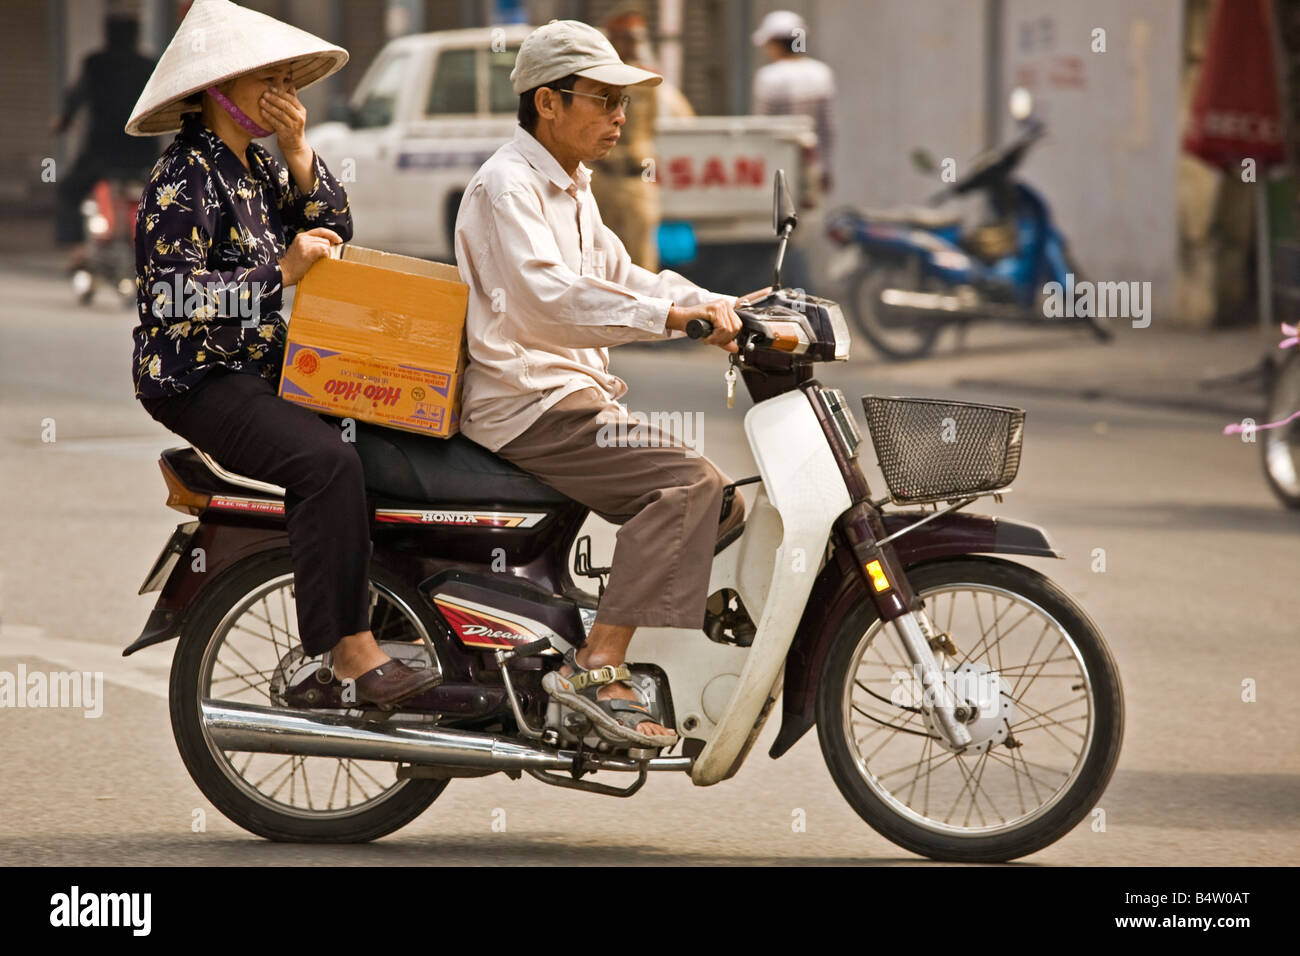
699	328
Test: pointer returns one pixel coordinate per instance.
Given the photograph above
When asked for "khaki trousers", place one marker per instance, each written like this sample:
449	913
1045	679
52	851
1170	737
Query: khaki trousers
667	501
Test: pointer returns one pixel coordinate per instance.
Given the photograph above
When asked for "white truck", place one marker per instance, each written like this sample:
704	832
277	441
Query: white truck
433	106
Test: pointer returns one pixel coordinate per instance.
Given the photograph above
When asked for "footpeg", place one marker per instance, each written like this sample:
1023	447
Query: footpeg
524	650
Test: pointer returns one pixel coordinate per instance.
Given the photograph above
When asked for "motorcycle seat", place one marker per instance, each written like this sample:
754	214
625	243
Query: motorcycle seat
455	470
401	466
924	217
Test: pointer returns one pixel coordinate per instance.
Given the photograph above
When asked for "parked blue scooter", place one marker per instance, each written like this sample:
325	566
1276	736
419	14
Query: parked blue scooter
912	272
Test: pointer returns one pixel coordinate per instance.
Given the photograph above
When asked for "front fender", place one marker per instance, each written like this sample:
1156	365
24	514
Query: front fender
839	587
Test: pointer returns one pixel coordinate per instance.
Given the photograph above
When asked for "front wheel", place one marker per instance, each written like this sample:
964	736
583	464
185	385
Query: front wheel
1046	731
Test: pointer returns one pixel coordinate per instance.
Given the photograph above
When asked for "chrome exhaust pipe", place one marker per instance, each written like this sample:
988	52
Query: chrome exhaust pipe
276	730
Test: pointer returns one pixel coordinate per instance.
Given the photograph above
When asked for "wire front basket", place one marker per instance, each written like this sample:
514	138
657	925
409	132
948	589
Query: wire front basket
935	450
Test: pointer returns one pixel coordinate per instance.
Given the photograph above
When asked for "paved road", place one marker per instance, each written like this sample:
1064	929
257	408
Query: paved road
1198	595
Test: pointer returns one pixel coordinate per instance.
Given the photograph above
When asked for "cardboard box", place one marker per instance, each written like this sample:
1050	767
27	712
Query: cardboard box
380	338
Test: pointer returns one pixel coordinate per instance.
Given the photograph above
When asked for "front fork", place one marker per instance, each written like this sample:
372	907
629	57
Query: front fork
901	608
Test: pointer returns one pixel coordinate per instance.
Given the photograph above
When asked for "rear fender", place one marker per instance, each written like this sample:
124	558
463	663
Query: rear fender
839	587
213	550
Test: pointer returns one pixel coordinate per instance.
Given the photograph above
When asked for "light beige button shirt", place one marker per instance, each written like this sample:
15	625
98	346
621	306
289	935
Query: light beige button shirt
551	287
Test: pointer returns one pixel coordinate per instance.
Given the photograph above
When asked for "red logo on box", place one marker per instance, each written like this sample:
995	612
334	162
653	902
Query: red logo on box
306	361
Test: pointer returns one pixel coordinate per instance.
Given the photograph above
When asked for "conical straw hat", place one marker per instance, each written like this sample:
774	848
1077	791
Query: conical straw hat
218	40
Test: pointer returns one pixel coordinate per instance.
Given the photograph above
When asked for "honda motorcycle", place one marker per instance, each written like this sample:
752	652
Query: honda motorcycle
912	272
967	708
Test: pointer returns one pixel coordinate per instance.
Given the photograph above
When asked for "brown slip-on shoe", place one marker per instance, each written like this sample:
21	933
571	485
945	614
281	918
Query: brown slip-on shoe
389	683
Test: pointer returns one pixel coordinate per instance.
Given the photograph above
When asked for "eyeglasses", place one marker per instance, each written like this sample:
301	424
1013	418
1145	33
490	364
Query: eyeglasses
611	101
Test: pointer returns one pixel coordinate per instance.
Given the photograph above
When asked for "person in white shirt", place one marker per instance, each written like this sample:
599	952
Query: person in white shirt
793	83
551	288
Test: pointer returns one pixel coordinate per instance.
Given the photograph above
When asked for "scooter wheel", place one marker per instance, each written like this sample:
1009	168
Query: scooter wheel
1099	325
896	339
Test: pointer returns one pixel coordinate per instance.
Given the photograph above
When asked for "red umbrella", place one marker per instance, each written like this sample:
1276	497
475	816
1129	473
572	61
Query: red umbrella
1235	113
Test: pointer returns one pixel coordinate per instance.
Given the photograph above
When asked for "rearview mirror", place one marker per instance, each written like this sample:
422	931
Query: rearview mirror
1020	103
783	211
923	161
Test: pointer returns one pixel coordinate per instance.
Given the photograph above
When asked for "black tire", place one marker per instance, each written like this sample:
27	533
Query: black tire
1075	797
403	802
894	341
1101	326
1280	447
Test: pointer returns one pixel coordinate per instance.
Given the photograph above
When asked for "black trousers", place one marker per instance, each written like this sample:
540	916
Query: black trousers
238	419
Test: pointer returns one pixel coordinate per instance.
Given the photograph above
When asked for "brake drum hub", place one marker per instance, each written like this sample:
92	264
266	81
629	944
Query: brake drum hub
989	697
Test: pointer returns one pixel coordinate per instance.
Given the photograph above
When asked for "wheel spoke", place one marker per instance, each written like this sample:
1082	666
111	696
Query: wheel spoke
926	758
984	633
906	767
272	770
1044	727
234	675
1033	781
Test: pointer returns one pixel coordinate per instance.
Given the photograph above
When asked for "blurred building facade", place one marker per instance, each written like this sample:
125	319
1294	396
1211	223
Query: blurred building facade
933	75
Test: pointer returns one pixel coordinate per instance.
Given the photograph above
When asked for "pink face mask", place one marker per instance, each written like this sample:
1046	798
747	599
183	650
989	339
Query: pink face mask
238	115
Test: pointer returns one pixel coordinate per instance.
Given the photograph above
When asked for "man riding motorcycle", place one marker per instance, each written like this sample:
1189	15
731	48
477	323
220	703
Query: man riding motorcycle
551	288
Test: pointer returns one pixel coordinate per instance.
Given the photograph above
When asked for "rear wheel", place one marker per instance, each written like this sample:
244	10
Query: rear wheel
240	644
1101	326
895	335
1281	446
83	285
1046	733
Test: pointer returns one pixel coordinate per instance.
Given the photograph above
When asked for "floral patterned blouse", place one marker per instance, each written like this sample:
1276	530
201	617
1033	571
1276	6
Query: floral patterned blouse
209	235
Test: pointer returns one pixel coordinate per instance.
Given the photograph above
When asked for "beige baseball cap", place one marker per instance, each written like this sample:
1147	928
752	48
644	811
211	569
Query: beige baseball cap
571	46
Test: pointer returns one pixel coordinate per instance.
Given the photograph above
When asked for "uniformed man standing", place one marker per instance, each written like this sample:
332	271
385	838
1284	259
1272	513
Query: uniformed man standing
624	181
